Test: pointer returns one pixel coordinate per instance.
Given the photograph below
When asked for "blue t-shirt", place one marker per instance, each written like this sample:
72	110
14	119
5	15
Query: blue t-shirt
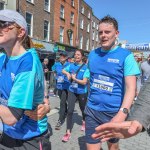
83	73
22	86
62	80
108	70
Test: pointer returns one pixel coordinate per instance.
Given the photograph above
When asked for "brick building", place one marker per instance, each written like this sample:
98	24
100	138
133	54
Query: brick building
65	24
85	15
94	43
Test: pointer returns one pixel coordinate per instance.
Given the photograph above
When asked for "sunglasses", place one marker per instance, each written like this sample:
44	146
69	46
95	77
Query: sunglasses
5	24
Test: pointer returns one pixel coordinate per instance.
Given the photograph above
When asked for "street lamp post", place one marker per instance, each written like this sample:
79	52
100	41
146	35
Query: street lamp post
69	32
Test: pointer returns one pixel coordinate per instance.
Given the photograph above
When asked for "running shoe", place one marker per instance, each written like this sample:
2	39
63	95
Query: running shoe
58	125
66	137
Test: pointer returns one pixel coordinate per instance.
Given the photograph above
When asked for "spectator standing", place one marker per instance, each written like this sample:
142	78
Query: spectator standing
145	69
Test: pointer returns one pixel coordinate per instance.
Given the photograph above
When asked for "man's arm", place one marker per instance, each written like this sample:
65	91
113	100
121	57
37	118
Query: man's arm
130	82
140	111
139	117
120	130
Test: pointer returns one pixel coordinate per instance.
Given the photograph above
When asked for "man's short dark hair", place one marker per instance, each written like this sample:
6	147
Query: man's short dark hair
111	20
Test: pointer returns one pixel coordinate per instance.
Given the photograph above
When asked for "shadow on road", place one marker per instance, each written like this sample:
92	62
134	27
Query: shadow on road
76	119
81	141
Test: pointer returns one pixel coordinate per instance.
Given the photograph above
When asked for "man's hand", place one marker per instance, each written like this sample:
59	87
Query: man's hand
119	117
40	112
121	130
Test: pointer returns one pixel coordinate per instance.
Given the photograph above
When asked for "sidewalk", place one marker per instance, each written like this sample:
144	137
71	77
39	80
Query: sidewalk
77	141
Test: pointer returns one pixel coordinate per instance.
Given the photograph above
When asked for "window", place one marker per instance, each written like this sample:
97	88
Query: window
72	18
97	37
46	30
82	10
71	39
97	26
62	11
47	5
93	46
89	15
31	1
61	34
93	35
93	24
81	23
87	44
29	20
72	3
81	42
1	5
88	27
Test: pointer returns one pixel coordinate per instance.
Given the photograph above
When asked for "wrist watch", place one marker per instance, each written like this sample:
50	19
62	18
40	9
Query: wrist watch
46	97
124	110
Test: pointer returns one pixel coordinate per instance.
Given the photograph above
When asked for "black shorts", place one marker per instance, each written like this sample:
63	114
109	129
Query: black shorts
37	143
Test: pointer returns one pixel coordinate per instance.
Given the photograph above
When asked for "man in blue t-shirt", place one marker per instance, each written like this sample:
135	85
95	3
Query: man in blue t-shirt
113	73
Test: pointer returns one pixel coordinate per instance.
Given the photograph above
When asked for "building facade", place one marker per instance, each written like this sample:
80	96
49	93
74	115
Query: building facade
8	4
57	24
65	25
94	43
84	31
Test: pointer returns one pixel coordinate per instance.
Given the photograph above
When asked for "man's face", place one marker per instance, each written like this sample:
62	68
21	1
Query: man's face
107	35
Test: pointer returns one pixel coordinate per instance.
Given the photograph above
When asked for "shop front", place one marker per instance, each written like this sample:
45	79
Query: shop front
45	50
69	49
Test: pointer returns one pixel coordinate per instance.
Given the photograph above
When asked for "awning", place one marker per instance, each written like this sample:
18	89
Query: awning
43	46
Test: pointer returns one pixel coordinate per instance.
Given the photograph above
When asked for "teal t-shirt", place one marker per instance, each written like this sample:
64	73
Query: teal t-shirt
22	86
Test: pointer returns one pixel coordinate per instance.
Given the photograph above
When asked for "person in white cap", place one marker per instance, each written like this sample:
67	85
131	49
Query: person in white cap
21	87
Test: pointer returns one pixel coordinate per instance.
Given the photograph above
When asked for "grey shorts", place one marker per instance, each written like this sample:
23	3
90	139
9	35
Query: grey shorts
93	119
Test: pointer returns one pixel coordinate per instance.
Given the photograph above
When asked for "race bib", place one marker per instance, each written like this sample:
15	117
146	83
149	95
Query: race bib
60	79
74	85
103	83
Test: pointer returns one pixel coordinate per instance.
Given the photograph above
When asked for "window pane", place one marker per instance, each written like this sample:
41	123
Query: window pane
46	30
61	34
29	23
62	11
1	6
47	5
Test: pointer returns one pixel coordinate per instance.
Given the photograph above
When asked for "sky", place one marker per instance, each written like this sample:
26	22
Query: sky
133	17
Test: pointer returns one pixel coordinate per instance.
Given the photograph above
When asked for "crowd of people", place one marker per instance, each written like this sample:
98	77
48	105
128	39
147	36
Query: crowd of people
104	85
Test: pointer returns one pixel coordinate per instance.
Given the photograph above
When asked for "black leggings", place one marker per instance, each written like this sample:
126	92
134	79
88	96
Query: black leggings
63	95
9	143
72	97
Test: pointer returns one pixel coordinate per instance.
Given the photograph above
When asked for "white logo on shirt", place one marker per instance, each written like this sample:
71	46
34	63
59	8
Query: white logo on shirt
113	60
82	70
12	76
